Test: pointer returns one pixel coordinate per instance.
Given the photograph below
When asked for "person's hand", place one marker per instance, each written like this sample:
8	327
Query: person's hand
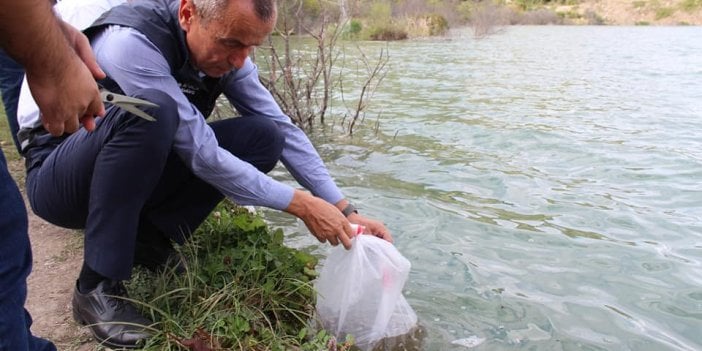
323	219
373	227
81	45
67	93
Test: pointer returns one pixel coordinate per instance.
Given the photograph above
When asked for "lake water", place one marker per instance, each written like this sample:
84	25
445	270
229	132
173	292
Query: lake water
545	183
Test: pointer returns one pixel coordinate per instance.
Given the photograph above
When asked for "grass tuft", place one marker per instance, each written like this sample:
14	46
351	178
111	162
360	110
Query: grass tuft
243	290
664	12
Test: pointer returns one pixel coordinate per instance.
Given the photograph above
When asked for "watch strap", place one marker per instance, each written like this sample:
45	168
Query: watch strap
349	209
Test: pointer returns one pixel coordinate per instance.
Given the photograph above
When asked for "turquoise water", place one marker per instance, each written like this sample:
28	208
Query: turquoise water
544	182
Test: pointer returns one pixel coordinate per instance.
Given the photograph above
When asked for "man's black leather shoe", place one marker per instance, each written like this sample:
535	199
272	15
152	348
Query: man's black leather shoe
113	320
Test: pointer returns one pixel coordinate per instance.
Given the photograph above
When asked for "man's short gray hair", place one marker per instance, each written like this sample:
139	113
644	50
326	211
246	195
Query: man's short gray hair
214	9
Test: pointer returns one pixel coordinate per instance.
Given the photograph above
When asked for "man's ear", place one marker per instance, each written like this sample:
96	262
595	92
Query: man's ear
186	12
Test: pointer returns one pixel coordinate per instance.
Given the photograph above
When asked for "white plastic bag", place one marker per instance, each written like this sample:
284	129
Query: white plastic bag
359	292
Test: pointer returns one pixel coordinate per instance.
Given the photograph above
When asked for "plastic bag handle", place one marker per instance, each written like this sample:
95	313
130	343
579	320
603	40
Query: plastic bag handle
357	229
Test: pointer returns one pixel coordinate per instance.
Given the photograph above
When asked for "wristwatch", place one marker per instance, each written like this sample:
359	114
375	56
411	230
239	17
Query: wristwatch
349	209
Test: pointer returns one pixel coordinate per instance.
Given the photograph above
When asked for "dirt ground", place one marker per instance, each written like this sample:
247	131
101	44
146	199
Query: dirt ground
632	12
57	259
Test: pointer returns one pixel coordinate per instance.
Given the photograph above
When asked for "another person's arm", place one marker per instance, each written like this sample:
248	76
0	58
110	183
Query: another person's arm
60	66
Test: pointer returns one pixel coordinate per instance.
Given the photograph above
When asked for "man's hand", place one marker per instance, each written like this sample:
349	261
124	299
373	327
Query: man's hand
373	227
323	220
67	93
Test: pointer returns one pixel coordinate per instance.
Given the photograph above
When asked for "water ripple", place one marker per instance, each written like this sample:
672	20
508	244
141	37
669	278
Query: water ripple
544	183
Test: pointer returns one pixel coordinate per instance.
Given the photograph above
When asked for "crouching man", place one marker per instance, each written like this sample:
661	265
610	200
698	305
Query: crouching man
135	186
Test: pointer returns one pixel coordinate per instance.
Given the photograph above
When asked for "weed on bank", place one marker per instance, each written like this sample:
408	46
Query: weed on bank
243	290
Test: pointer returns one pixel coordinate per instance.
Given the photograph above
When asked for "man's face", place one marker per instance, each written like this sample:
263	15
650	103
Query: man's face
220	45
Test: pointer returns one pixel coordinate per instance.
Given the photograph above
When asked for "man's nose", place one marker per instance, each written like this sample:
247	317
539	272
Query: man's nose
237	57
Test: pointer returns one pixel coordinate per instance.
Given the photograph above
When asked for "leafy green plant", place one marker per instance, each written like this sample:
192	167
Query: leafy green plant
353	29
243	290
386	32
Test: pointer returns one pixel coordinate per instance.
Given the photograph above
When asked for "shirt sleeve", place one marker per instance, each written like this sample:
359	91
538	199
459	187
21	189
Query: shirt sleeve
143	66
248	95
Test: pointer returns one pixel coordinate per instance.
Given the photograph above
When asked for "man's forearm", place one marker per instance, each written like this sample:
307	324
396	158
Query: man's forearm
30	24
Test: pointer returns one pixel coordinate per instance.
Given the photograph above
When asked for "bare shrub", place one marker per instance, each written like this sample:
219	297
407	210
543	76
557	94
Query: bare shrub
387	33
302	77
540	17
301	81
593	18
421	8
410	8
374	73
486	18
435	24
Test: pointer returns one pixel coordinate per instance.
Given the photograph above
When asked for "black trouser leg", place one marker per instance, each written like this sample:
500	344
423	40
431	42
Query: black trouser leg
101	180
124	177
182	201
